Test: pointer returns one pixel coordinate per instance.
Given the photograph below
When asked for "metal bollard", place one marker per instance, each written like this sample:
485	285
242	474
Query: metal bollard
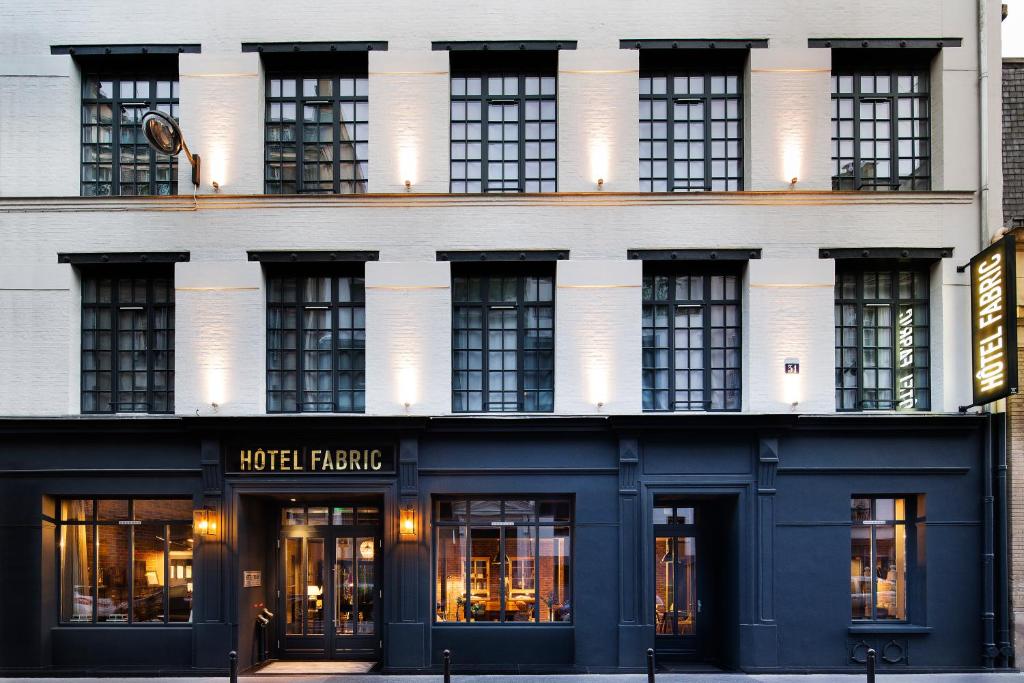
233	666
871	666
650	665
446	657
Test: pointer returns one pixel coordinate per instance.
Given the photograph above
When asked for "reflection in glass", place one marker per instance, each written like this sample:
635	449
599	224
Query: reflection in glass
520	573
76	572
344	578
179	579
686	587
368	516
314	586
148	580
367	590
317	516
554	575
109	510
878	548
675	585
485	601
77	510
450	588
163	510
343	516
112	591
664	584
293	516
295	593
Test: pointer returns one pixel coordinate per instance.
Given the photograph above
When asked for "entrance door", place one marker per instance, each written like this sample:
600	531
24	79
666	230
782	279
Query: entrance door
681	612
330	593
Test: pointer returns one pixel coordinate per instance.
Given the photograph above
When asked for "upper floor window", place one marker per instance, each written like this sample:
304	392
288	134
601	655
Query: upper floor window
882	350
116	159
503	341
881	126
127	340
317	127
503	123
691	339
691	122
316	342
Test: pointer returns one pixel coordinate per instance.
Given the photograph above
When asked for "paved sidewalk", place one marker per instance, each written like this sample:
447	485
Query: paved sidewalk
633	678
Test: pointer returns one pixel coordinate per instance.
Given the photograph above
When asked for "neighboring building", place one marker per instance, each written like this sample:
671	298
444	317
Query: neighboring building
604	328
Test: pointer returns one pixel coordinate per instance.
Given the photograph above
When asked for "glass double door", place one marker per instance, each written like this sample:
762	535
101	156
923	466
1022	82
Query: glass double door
681	612
330	594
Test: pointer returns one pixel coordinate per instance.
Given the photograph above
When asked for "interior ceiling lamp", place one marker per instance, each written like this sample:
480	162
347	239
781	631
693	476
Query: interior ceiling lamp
164	135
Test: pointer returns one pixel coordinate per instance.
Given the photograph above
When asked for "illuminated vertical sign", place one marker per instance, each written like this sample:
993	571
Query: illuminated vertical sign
994	322
905	359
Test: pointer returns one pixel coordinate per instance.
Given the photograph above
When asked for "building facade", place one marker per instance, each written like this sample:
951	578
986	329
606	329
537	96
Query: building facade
544	338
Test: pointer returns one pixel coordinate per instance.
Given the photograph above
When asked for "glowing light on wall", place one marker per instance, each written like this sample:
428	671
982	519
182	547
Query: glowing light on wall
407	165
216	165
792	158
597	383
599	160
407	386
215	383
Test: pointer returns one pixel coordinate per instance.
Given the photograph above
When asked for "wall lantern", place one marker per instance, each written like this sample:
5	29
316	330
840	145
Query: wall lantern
407	522
204	522
164	135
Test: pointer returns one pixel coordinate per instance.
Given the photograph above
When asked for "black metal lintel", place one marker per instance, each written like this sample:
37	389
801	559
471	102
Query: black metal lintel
693	254
499	256
122	257
501	45
133	49
885	43
313	256
692	43
332	46
917	254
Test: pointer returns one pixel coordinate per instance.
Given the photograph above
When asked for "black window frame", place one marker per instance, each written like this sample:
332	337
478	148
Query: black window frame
540	65
59	522
728	66
921	275
336	67
706	271
522	272
333	272
150	274
859	65
153	69
468	524
914	525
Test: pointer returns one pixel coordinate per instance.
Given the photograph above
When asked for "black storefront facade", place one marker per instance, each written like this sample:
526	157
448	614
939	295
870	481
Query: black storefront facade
757	543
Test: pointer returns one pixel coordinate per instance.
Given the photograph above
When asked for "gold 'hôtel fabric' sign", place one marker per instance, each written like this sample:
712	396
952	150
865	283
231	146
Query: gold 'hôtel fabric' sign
340	460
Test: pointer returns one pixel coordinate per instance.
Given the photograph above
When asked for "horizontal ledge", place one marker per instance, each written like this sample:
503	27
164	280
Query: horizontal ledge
912	253
889	629
483	471
693	254
873	470
119	471
332	46
502	45
115	257
313	256
132	49
692	43
885	43
503	255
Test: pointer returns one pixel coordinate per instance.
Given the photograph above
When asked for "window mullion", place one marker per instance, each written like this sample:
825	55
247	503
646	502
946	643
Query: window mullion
521	100
150	338
536	568
855	97
336	144
332	320
520	341
115	334
502	555
861	309
672	303
167	571
706	304
300	137
115	137
485	344
468	565
300	345
485	121
706	100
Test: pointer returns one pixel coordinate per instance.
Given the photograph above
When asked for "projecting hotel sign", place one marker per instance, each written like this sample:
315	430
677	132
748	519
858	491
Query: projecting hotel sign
994	322
325	459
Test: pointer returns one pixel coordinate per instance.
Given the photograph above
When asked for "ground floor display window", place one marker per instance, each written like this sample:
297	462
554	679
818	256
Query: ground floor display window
126	561
878	558
511	557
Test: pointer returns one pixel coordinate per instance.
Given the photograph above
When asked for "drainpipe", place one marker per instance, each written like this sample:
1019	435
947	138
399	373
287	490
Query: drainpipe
988	615
983	127
1002	528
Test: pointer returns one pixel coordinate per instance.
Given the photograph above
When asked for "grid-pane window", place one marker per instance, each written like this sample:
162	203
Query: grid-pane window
503	560
316	343
317	127
125	561
881	129
878	559
503	351
882	350
127	342
503	131
116	159
691	341
691	131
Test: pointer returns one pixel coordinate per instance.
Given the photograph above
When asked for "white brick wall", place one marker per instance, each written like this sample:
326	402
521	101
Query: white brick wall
220	315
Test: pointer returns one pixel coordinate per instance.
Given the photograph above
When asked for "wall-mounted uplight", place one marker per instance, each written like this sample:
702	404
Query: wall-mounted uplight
793	182
164	135
408	186
407	522
216	186
204	522
600	183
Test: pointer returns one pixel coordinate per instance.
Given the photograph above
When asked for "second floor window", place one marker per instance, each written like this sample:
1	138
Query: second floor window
882	350
116	159
127	342
503	342
503	128
691	341
881	128
691	127
316	343
317	127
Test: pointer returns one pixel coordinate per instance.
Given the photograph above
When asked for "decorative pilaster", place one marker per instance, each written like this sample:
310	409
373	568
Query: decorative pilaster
632	636
767	464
